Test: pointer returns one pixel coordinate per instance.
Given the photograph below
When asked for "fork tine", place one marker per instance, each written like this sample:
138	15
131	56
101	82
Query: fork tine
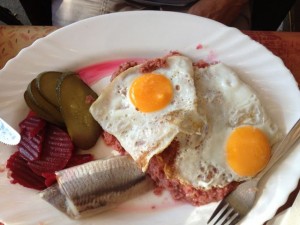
230	216
227	209
235	220
217	210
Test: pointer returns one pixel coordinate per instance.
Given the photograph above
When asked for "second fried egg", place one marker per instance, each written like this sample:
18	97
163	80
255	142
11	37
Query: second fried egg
240	133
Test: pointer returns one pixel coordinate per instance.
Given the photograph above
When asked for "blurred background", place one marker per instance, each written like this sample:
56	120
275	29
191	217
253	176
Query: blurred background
13	12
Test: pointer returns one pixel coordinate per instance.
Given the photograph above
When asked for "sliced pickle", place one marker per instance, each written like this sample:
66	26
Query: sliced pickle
46	83
40	112
43	103
75	99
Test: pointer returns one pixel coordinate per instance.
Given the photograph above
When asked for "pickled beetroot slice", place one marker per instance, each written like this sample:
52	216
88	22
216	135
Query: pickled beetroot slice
50	178
75	160
22	174
79	159
31	148
31	125
57	150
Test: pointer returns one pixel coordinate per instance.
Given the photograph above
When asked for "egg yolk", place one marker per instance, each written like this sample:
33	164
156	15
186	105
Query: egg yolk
248	150
151	92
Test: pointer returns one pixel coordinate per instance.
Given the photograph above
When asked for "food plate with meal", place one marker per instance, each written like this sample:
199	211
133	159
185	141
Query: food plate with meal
176	95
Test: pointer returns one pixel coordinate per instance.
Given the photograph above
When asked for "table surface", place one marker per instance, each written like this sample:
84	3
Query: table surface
285	45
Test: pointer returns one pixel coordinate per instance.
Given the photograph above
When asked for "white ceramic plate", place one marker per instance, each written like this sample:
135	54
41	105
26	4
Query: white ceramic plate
140	35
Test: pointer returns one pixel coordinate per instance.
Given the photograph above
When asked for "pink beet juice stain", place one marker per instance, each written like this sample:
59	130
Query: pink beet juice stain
199	46
212	57
92	74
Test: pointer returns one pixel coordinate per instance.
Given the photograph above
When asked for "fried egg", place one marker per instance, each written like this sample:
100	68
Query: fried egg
240	133
145	111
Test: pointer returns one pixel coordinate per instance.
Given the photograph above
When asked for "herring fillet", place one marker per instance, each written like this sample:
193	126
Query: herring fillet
96	186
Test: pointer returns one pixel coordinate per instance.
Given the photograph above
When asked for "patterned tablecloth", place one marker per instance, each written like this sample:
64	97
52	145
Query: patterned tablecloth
286	45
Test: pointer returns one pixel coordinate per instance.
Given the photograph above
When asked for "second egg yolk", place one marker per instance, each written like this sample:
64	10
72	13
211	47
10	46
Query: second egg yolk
248	150
151	92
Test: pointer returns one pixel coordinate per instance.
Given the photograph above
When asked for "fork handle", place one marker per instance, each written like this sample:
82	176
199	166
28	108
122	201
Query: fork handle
283	147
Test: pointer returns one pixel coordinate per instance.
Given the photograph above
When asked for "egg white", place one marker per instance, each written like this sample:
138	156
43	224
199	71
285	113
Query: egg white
229	103
143	135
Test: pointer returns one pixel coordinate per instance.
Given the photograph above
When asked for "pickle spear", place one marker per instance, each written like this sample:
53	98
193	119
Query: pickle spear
75	99
42	103
46	83
39	111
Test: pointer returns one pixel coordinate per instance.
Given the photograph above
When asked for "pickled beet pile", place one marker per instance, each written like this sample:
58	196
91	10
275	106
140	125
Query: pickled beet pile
44	148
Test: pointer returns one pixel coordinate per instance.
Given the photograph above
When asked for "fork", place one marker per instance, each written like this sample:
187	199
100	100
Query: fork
238	203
